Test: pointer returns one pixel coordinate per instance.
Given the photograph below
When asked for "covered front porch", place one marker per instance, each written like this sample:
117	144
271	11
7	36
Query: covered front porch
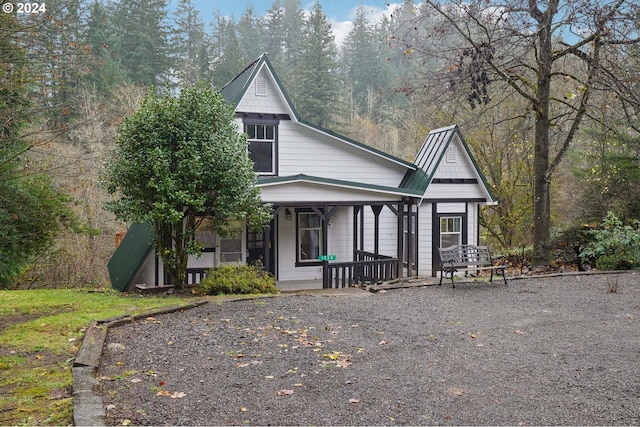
337	233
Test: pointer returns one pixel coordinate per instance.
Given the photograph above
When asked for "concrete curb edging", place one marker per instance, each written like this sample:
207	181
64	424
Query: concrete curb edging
88	407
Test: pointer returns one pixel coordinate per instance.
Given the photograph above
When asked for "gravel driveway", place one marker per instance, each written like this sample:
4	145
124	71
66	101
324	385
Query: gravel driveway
540	351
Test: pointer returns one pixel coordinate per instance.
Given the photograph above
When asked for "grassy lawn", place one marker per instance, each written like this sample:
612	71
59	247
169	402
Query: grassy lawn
40	333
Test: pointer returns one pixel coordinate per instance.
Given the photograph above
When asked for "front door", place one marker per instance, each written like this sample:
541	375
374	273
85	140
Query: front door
256	248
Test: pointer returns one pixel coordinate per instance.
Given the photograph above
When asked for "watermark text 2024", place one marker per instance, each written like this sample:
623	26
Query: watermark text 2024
25	8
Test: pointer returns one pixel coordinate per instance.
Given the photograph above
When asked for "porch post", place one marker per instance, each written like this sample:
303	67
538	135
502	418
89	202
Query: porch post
362	229
267	246
356	210
376	236
410	248
401	211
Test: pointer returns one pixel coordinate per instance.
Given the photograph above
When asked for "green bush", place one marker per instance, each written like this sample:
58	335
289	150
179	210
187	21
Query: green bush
615	247
567	244
237	279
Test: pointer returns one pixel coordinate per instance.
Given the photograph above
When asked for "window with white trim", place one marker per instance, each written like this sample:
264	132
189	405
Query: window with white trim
309	236
262	147
450	231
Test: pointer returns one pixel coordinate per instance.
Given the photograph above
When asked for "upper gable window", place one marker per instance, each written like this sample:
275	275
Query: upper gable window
261	85
262	147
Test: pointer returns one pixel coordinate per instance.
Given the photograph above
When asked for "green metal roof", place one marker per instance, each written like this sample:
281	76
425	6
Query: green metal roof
233	91
430	156
130	255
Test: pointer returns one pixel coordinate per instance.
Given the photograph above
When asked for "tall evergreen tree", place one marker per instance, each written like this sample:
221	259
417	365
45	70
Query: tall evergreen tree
250	33
226	56
316	87
362	66
187	42
274	32
32	212
100	37
294	23
59	58
143	46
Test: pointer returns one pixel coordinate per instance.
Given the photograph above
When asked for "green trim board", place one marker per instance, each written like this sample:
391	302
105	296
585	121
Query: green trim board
130	256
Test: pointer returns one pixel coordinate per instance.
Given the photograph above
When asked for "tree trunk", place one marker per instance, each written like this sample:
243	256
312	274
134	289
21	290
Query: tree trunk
541	196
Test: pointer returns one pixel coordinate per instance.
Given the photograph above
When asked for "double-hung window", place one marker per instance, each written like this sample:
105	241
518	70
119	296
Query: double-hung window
450	231
262	147
309	237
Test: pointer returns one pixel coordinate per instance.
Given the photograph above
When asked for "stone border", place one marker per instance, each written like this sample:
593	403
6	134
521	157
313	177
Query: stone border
88	407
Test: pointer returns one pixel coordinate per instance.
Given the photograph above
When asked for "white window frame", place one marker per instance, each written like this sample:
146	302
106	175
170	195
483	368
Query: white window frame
300	231
451	220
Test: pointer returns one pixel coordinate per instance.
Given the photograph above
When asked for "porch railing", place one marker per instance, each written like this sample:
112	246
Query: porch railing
368	256
195	275
370	268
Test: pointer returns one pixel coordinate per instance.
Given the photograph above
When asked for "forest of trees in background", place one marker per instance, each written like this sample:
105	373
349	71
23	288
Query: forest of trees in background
84	65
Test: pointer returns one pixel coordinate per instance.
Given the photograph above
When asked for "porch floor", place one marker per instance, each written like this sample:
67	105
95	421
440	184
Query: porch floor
298	285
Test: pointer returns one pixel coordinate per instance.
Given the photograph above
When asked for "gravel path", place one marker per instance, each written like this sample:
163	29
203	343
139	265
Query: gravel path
541	351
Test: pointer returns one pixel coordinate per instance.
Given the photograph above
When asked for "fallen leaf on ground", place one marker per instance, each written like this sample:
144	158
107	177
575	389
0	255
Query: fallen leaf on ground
178	395
332	356
284	392
455	391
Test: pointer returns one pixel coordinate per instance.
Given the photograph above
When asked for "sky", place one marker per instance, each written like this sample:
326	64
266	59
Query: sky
340	13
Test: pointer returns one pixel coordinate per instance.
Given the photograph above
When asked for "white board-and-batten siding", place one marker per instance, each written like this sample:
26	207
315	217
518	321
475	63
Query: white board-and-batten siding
303	150
339	243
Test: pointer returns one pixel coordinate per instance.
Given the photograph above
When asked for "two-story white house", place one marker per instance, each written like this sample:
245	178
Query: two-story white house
341	208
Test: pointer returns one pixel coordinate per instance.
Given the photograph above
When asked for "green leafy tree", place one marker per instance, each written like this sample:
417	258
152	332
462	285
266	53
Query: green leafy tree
32	212
608	173
177	161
